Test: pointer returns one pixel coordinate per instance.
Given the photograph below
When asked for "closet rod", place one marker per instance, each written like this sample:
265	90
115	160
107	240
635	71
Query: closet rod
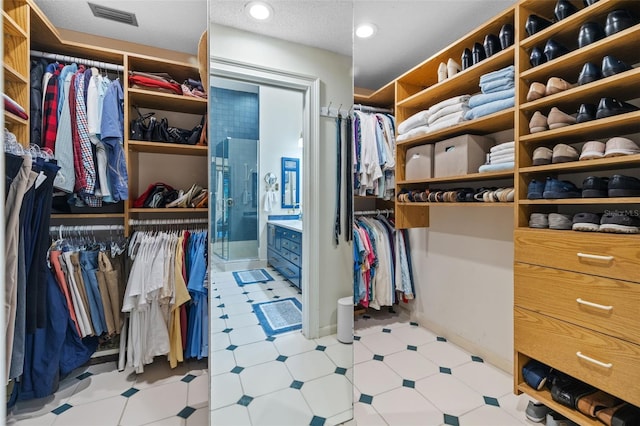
88	62
134	222
366	108
370	212
85	228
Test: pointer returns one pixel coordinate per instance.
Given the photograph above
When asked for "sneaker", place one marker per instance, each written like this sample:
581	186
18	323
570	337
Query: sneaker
620	146
563	153
536	411
595	187
539	221
587	222
557	419
620	223
592	150
623	186
557	189
535	190
542	155
560	221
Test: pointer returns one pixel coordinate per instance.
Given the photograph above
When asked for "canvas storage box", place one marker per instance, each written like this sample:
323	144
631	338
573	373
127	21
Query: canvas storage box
461	155
419	162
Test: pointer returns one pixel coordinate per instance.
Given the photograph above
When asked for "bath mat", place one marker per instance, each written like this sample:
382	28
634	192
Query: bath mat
279	316
251	276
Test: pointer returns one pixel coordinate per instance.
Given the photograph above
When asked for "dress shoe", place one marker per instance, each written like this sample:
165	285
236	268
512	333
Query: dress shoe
590	32
491	45
618	20
553	50
535	23
556	85
592	150
588	3
611	66
466	59
536	91
559	119
586	112
563	9
506	36
537	57
590	72
442	72
609	107
538	123
477	53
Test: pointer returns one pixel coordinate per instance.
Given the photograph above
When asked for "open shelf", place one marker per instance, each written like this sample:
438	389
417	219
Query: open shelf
462	178
544	396
167	148
586	165
14	119
187	210
87	216
383	97
13	76
11	27
167	101
583	201
471	204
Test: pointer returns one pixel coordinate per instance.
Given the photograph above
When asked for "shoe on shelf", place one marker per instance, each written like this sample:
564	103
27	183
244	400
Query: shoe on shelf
563	9
618	146
588	3
477	53
608	107
491	45
620	223
624	186
586	112
535	374
559	221
595	187
590	72
557	419
538	123
453	68
535	190
542	155
612	66
553	50
559	119
536	411
555	189
618	20
592	150
586	222
556	85
442	72
506	36
536	23
537	57
536	91
590	32
539	221
563	153
466	58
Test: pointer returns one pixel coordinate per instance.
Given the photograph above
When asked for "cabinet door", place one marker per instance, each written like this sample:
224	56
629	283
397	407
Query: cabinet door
271	236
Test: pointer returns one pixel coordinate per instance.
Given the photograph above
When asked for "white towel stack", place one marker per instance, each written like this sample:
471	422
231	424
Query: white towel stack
446	113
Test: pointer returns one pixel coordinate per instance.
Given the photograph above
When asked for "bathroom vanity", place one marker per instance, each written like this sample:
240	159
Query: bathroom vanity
284	248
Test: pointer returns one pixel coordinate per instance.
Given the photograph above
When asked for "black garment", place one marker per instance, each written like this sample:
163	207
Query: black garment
35	119
13	163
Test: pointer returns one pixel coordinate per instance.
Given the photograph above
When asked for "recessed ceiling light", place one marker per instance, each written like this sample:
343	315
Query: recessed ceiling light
259	10
366	30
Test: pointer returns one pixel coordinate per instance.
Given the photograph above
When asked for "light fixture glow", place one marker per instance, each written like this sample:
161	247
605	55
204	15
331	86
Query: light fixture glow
366	30
259	10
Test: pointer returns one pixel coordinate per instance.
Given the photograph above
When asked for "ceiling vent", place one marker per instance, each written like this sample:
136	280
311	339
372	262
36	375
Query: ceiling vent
113	14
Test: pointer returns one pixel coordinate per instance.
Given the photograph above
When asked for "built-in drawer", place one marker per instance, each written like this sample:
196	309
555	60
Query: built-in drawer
292	257
602	304
605	362
292	235
614	256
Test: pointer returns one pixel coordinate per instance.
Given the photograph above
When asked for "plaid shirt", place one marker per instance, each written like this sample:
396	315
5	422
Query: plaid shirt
86	152
78	168
50	113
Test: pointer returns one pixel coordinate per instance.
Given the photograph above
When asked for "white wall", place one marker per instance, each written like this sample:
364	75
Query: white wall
334	72
463	271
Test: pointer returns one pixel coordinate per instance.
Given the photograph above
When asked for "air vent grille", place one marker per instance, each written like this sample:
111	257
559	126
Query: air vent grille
113	14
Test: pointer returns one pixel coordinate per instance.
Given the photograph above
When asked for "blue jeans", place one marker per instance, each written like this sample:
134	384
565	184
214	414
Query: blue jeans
89	265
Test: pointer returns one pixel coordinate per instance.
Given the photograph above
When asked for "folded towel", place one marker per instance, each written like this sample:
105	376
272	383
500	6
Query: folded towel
486	98
503	152
497	85
490	108
505	159
504	72
502	167
448	110
503	146
463	99
416	120
447	121
415	132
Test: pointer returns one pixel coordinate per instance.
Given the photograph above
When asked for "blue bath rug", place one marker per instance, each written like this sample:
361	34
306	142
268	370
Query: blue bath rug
251	276
279	316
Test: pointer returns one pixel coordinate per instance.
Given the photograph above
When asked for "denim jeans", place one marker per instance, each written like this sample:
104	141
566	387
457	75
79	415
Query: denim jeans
89	265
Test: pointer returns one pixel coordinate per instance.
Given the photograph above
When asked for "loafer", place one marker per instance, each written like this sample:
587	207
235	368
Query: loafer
560	221
590	72
537	57
563	153
595	187
590	32
466	59
588	3
535	189
563	9
612	66
586	222
609	107
536	91
618	146
559	119
624	186
619	223
618	20
491	45
477	53
592	150
536	23
538	220
553	50
542	155
556	85
538	123
586	112
557	189
506	36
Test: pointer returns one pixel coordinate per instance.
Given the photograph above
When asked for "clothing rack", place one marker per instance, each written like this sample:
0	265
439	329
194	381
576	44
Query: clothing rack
88	62
366	108
333	112
142	222
85	228
373	212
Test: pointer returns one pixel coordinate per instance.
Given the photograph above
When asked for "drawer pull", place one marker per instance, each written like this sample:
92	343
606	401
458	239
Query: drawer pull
594	305
595	361
595	257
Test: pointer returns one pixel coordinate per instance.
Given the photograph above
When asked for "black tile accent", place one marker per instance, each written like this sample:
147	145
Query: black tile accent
186	412
441	339
340	370
451	420
476	358
130	392
245	400
445	370
296	384
317	421
412	348
84	375
489	400
408	383
378	357
61	409
188	378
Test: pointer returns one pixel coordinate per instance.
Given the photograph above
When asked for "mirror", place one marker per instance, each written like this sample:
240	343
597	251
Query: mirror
271	179
290	182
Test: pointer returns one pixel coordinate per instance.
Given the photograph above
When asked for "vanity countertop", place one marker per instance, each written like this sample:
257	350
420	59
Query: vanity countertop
295	225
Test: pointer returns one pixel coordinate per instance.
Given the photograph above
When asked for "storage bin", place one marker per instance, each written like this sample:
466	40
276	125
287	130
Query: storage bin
419	162
461	155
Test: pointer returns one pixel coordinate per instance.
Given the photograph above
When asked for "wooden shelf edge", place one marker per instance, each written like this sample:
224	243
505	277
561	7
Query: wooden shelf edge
582	201
383	97
462	178
189	210
585	165
143	92
12	75
12	118
167	148
186	65
13	27
544	396
472	204
87	216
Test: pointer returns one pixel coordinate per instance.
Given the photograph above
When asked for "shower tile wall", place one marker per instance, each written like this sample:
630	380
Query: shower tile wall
234	114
